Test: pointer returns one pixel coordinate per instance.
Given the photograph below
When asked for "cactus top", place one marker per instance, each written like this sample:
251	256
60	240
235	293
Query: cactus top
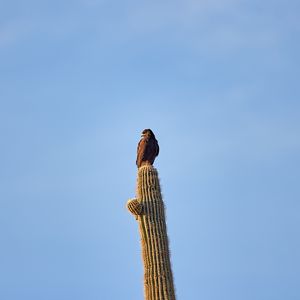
148	186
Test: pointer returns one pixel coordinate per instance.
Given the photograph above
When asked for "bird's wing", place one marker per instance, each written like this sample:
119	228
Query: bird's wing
141	149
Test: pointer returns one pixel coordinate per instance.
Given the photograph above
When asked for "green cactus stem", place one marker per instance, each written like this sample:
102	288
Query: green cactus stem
148	208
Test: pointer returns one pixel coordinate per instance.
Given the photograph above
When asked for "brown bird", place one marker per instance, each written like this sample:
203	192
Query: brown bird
147	148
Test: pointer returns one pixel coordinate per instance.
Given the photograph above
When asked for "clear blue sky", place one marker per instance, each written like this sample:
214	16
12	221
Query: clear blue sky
217	81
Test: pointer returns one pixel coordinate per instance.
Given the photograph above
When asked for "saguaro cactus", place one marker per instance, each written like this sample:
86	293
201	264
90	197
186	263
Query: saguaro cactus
148	208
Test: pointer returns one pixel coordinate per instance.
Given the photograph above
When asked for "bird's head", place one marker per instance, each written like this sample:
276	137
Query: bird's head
148	133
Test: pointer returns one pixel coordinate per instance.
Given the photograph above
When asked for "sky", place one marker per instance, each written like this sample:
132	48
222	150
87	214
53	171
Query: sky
217	82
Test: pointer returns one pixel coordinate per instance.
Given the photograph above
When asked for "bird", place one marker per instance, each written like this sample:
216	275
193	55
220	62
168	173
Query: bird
147	148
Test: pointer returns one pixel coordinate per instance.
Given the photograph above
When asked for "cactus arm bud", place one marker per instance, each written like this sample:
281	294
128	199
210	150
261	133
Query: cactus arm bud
135	207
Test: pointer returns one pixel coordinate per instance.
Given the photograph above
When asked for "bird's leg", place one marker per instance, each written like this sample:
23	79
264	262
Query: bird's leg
145	163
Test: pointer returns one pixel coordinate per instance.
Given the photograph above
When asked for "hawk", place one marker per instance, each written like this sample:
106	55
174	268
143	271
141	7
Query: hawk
147	148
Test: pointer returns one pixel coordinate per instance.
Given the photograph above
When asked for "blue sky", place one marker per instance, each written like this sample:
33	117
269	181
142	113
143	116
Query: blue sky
217	81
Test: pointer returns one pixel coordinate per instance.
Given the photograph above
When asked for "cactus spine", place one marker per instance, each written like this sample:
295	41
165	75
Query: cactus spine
148	208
